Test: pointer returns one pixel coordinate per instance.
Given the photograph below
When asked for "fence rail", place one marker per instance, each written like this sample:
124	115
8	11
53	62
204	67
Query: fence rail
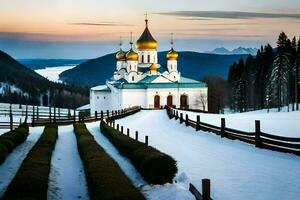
258	138
54	115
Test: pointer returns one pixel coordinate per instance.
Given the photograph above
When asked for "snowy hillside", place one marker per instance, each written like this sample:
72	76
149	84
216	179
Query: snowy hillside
237	170
52	73
276	123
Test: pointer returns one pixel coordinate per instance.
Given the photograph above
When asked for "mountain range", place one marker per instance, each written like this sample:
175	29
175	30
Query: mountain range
238	51
191	64
43	63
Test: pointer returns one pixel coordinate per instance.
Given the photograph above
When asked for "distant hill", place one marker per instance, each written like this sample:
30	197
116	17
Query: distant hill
19	84
43	63
238	51
191	64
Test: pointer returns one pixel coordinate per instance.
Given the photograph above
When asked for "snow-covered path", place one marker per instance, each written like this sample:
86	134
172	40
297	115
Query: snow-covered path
3	131
67	178
174	191
276	123
237	170
9	168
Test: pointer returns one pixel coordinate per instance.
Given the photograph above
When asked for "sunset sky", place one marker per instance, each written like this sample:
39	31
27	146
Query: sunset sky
91	28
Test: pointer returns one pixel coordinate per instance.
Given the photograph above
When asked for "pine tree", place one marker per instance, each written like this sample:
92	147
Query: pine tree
279	79
297	69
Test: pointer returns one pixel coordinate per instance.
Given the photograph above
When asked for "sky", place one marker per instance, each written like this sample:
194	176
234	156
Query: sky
92	28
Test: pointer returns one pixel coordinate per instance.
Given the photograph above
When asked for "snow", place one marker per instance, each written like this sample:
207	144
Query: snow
4	87
52	73
237	170
9	168
275	123
178	191
3	131
67	177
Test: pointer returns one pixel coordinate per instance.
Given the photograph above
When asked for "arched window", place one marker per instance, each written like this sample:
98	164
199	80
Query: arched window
130	67
148	58
142	58
184	101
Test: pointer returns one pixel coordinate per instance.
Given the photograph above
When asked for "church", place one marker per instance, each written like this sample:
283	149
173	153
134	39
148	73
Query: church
140	80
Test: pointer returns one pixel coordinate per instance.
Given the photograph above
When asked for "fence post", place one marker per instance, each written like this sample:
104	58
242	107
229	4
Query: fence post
33	113
128	132
11	120
101	114
181	118
206	189
96	114
257	133
122	130
54	117
74	115
223	134
107	113
26	114
69	113
58	113
136	135
146	140
198	125
118	127
113	124
186	120
176	115
37	113
50	115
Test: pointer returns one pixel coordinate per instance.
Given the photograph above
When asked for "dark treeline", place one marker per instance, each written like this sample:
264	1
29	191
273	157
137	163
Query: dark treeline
269	80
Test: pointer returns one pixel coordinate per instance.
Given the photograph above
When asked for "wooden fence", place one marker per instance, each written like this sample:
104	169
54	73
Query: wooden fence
40	117
258	138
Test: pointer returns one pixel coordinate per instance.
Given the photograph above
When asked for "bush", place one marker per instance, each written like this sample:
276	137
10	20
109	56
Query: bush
105	179
31	180
12	139
156	167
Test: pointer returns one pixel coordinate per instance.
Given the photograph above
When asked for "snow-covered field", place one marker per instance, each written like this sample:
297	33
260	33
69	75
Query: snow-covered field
9	168
276	123
67	177
52	73
3	131
237	170
175	191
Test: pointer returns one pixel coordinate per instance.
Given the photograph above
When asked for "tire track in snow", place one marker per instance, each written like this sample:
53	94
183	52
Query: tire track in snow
9	168
67	177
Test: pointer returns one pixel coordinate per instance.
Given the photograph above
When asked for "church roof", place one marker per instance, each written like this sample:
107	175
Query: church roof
100	88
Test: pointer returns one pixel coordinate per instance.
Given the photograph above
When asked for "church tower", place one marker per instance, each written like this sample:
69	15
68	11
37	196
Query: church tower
147	46
132	63
120	57
172	57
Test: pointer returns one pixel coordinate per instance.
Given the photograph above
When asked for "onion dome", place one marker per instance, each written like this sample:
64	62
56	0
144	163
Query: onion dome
132	55
172	55
146	41
153	67
121	55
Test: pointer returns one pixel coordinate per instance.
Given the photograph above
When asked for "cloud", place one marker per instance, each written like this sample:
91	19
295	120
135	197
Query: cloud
99	24
228	15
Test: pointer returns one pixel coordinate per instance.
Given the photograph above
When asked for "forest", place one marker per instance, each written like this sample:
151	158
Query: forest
268	80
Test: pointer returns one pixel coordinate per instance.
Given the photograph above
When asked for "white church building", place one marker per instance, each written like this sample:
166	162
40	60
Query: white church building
139	80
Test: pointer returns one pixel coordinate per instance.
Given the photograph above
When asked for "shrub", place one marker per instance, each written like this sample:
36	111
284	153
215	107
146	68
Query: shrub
105	179
156	167
31	180
3	152
12	139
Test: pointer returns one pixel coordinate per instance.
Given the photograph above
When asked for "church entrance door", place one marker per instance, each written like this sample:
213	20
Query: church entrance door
184	101
170	101
156	101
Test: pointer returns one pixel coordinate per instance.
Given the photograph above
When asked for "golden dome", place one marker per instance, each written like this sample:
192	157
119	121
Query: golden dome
153	67
121	55
146	41
132	55
172	55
